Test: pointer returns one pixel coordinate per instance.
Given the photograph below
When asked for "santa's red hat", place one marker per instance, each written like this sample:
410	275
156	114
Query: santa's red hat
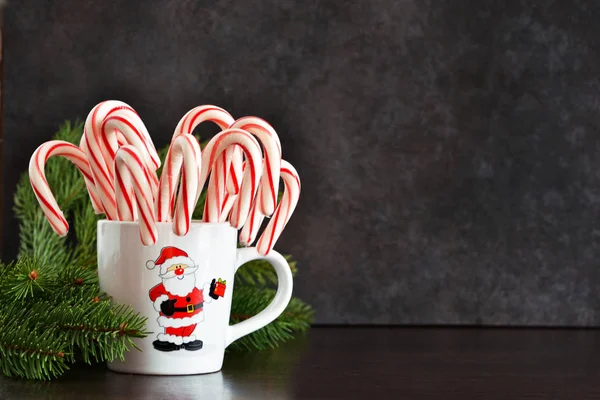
168	257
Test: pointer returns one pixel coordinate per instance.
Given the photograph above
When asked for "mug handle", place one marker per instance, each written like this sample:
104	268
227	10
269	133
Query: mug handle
279	302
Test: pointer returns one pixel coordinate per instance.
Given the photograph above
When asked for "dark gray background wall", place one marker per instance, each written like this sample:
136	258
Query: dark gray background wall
449	149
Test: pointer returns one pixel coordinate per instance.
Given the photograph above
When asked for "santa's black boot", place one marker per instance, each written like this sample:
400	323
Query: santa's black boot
165	346
193	346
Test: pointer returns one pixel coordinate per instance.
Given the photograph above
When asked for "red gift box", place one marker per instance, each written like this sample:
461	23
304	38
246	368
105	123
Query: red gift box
220	287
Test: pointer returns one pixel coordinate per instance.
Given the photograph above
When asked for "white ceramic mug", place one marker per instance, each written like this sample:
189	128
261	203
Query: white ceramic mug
184	286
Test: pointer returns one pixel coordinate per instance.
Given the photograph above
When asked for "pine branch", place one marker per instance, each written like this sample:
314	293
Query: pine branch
26	278
97	329
85	224
33	356
36	236
39	340
162	154
25	349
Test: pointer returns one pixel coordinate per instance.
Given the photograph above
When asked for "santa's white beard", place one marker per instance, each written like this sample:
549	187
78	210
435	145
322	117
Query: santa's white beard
180	287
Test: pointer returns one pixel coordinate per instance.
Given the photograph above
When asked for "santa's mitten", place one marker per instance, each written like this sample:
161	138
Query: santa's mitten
168	307
159	300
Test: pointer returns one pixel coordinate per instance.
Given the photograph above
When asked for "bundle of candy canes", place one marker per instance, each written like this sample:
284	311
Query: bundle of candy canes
241	167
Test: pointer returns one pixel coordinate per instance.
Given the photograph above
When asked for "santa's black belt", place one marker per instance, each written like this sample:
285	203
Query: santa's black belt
189	309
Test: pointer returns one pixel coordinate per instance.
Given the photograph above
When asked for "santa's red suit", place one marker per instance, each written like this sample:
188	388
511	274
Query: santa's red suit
188	312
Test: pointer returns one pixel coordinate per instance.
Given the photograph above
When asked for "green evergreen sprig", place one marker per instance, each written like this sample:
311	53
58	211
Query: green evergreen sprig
52	310
30	352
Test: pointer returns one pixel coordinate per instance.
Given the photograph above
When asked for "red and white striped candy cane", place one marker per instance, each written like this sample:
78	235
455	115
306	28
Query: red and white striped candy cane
121	141
272	162
40	186
255	219
253	223
211	153
128	124
131	172
185	157
227	205
98	155
187	124
90	186
226	185
282	214
97	205
101	152
124	125
229	198
235	156
272	151
148	140
122	115
235	171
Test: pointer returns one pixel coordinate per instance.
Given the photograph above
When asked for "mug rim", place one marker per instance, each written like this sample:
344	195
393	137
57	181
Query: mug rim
195	222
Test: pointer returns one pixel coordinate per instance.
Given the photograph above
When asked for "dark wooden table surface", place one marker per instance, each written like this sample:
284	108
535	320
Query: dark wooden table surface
370	363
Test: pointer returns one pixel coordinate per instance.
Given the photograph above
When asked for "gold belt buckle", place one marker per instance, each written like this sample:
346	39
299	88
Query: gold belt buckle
190	308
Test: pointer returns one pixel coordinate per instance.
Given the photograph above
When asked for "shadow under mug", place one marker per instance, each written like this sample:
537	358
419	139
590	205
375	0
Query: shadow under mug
184	286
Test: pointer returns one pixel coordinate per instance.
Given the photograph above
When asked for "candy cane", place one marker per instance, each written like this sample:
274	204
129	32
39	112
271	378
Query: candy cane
272	150
186	157
282	214
225	187
228	202
125	125
232	179
235	171
121	141
255	218
97	205
148	140
90	186
40	186
99	156
122	116
215	147
187	124
130	126
272	165
131	172
229	198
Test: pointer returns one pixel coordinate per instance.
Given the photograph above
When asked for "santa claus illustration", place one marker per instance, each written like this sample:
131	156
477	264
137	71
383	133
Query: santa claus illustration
177	299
